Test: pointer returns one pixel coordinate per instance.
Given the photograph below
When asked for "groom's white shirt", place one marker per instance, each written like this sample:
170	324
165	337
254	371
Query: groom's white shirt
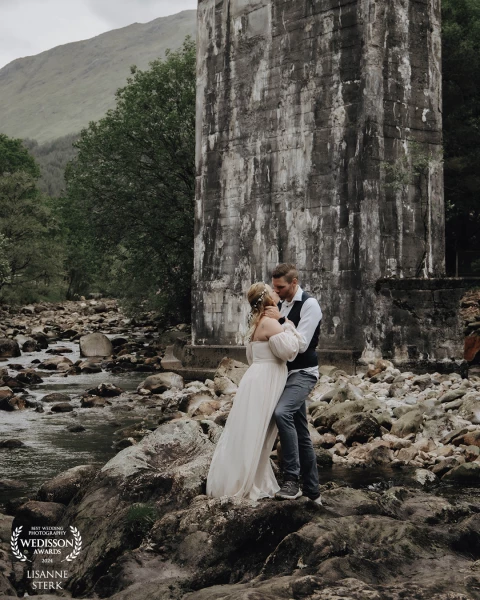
310	315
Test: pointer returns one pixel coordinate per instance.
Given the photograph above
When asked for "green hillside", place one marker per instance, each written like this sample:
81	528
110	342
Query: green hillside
57	92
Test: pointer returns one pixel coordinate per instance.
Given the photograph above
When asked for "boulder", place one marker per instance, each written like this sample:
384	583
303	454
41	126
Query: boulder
224	386
56	363
470	408
231	369
359	427
11	443
56	397
338	411
105	390
29	345
410	422
88	366
464	473
29	377
93	402
161	382
9	348
37	513
168	467
11	403
95	344
62	407
66	485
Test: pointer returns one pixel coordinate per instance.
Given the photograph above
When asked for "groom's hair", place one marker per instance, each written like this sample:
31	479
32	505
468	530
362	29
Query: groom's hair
286	270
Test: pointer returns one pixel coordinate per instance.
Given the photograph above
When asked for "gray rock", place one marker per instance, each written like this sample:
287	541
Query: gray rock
410	422
56	397
62	407
9	348
231	369
453	394
95	344
161	382
66	485
464	473
359	427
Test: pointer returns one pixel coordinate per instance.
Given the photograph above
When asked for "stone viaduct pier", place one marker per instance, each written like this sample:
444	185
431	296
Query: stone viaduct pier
319	136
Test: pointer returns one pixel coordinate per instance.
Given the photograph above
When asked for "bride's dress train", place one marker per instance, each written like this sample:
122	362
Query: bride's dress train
241	463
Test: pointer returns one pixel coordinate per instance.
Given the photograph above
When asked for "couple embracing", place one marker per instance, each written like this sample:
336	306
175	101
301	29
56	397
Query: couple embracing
283	333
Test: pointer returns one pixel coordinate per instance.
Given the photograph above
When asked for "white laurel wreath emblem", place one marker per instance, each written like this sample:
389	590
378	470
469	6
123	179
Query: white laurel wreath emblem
14	544
78	544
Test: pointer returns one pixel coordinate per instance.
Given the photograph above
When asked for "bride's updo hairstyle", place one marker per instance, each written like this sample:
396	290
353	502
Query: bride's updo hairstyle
259	298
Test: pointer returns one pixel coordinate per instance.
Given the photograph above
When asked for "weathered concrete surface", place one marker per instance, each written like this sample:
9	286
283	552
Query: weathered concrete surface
318	142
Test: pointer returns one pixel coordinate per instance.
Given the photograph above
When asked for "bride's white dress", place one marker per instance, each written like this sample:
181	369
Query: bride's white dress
241	463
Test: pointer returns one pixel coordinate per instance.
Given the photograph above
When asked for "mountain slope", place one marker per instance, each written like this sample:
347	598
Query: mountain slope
59	91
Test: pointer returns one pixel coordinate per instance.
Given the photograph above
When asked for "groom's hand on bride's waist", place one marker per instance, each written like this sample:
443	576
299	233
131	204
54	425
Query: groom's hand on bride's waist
272	312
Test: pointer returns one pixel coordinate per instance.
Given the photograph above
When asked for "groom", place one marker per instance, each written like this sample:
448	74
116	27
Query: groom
290	413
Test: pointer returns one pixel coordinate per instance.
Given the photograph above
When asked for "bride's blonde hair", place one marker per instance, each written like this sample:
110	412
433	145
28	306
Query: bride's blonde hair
259	298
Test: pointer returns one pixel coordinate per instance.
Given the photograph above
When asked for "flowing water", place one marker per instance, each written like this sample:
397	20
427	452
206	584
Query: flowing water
49	447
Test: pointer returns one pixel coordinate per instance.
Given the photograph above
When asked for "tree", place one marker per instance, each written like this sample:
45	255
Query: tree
461	120
133	181
15	157
30	243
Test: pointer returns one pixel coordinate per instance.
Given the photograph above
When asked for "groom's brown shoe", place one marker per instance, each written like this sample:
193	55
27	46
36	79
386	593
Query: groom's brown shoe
290	490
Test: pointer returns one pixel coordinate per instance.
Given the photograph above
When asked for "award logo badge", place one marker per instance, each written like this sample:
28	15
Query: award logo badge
48	545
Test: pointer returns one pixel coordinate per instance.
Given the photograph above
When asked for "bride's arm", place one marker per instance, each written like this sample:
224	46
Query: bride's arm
286	343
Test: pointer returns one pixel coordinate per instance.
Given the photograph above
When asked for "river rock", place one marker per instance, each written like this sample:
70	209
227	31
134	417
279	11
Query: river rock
59	350
29	345
38	513
56	397
62	407
95	344
453	394
29	377
464	473
76	428
223	385
336	412
9	348
231	369
11	443
64	486
410	422
56	363
162	382
106	390
168	467
471	438
88	366
358	427
10	403
470	408
93	402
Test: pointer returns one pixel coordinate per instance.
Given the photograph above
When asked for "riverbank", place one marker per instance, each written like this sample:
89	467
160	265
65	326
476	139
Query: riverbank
398	455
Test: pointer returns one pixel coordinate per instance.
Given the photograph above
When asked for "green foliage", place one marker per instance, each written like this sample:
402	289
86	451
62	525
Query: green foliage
31	244
15	157
52	158
132	185
461	119
140	518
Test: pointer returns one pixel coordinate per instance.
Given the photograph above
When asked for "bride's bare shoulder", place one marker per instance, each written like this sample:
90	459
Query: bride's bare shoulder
271	326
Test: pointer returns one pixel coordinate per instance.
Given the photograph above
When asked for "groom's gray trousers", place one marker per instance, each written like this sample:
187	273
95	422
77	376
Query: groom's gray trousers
291	418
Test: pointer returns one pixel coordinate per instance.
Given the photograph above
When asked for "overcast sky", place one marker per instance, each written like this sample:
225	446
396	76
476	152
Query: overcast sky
28	27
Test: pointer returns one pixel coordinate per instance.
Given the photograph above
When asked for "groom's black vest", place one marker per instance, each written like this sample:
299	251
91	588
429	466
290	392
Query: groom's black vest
308	358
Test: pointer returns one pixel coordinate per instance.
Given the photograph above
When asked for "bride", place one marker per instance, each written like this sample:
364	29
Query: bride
241	463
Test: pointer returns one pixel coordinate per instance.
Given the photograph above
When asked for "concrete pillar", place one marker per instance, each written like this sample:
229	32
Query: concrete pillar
318	143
